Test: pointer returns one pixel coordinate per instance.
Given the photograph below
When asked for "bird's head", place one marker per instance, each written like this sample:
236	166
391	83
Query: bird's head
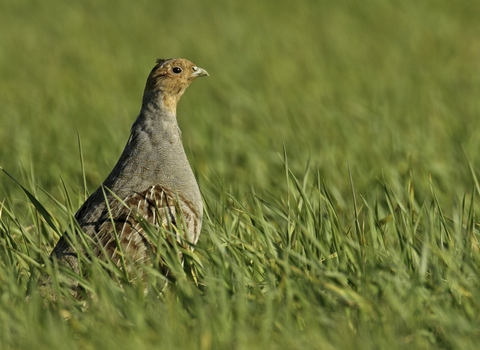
170	78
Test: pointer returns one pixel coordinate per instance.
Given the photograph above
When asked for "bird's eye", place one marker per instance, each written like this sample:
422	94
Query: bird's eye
177	70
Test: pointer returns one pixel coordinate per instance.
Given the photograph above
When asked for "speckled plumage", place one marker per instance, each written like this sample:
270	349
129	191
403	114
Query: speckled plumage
152	178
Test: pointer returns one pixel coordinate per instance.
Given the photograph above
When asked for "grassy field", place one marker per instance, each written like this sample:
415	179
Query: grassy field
336	144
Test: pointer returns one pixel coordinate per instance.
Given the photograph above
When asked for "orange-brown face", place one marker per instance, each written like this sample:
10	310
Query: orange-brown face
172	76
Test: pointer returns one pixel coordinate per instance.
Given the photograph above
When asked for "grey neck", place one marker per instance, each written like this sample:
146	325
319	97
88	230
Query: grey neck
154	155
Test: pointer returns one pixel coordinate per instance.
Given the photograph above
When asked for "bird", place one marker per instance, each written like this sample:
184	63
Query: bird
152	182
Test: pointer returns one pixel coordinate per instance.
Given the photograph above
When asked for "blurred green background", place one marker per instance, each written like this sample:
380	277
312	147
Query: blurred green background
387	87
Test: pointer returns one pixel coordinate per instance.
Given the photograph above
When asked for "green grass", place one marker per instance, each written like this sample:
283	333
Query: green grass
336	144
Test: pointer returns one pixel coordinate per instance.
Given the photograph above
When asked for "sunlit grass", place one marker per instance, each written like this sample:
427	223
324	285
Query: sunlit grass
288	271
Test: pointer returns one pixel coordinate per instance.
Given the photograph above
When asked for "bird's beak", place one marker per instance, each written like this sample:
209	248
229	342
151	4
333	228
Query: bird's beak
200	72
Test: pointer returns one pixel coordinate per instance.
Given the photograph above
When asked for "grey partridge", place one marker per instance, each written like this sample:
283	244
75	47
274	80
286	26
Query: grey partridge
151	181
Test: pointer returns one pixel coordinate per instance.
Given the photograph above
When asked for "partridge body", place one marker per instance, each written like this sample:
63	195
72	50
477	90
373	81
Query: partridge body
152	179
